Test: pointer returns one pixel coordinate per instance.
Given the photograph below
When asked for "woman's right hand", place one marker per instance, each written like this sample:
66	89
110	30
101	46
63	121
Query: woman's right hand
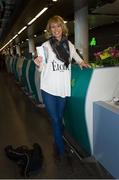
38	60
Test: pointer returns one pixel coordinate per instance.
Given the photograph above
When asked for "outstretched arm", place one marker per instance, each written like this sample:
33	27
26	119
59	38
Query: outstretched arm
82	63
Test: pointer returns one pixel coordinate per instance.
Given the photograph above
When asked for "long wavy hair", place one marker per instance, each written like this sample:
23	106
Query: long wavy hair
58	20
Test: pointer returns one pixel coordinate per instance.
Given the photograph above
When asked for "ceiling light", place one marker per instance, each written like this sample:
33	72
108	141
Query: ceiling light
15	36
38	15
65	22
29	23
41	12
22	29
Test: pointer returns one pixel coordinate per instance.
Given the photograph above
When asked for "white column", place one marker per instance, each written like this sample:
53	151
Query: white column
18	50
7	51
31	44
81	31
11	50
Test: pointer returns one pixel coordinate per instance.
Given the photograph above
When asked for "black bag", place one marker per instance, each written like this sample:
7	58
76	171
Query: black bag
27	159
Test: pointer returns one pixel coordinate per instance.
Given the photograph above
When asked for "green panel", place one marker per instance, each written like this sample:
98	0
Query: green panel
23	78
32	81
7	63
11	60
74	118
15	70
13	65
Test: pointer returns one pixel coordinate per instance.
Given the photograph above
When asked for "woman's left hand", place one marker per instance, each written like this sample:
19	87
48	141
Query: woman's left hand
84	64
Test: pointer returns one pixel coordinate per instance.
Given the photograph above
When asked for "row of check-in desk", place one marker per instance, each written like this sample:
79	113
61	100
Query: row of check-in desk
90	120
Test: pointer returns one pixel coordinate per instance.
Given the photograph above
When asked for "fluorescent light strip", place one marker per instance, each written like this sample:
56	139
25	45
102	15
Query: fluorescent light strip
41	12
65	22
29	23
22	29
37	16
15	36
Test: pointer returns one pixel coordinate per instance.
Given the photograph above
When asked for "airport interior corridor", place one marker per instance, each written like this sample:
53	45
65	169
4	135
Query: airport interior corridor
21	123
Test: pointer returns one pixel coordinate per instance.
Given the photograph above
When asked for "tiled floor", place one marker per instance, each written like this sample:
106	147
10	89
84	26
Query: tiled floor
22	123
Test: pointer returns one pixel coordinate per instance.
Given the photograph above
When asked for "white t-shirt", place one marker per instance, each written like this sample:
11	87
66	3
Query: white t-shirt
55	77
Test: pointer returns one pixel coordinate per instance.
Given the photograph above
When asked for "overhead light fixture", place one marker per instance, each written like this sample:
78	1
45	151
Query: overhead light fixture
65	22
22	29
41	12
15	36
29	23
37	16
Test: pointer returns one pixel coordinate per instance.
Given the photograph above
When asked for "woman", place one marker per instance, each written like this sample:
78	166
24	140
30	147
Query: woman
56	74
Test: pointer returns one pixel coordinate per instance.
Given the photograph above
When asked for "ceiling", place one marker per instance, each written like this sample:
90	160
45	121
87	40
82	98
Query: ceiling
103	12
17	13
6	9
9	11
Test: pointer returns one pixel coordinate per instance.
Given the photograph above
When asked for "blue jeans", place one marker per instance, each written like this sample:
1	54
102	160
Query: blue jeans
55	107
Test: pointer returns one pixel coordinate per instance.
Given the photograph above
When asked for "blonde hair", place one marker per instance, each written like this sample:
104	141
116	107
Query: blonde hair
59	20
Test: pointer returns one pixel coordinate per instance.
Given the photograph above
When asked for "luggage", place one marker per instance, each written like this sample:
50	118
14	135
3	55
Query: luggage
27	159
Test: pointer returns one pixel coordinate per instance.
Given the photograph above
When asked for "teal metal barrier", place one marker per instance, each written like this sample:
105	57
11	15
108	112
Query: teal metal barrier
14	66
23	77
11	62
31	75
74	118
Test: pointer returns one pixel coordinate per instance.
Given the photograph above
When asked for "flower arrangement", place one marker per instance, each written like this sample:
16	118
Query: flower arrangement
107	57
